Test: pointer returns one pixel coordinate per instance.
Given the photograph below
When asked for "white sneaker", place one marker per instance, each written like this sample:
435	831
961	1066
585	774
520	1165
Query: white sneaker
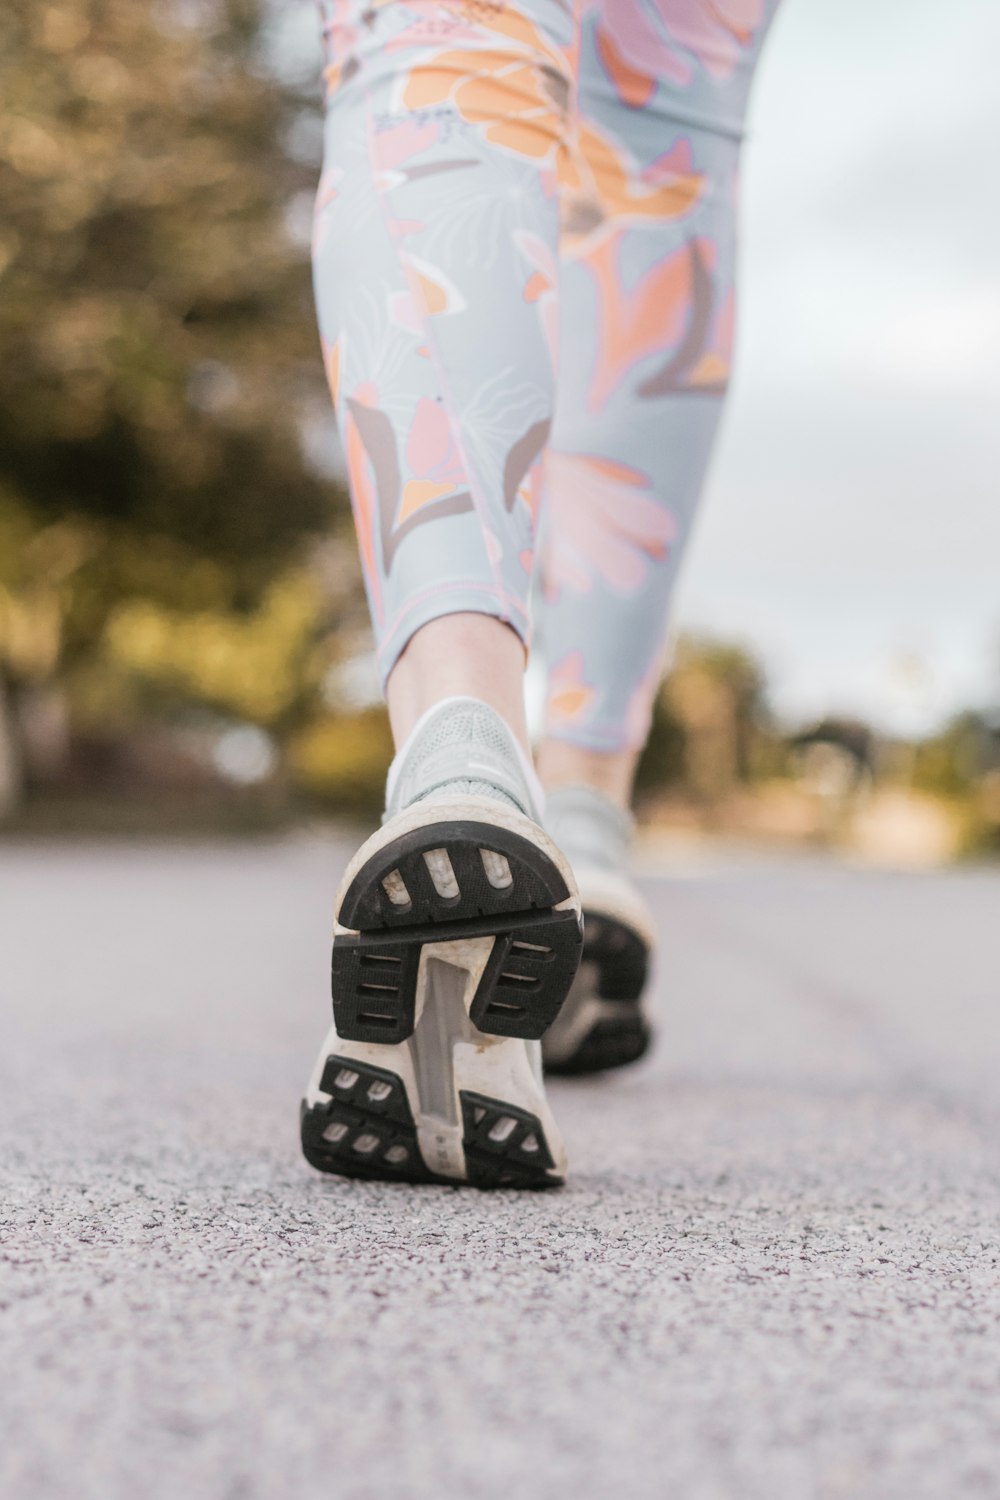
457	936
605	1021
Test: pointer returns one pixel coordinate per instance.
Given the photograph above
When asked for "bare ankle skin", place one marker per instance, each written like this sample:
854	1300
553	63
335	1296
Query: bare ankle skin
455	656
610	772
479	656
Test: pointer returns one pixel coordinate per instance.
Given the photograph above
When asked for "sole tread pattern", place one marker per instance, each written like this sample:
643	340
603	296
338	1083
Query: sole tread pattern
610	1043
615	961
366	1129
504	1146
375	967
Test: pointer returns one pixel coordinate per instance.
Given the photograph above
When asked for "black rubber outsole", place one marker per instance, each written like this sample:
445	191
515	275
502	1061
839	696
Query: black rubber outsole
375	968
610	1043
621	960
366	1130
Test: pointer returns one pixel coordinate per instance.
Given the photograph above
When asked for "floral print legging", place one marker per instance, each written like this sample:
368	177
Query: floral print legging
523	263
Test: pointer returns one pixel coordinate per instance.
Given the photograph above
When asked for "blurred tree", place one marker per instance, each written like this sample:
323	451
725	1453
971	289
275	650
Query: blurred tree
951	762
710	728
661	765
156	329
715	691
155	308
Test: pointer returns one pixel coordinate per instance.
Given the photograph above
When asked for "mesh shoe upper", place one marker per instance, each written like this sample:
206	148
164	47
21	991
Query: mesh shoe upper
588	827
462	748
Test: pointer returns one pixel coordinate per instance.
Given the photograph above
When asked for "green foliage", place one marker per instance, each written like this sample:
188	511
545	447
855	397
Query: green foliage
343	761
950	763
709	727
155	317
661	764
157	354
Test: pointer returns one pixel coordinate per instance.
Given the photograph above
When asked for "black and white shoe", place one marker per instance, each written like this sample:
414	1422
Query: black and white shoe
605	1021
456	941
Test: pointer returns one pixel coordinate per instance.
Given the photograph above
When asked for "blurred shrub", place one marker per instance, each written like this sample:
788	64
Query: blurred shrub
343	761
710	727
962	765
265	666
155	312
951	763
157	356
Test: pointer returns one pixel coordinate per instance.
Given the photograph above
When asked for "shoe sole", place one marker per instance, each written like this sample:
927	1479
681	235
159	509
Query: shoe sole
603	1023
457	938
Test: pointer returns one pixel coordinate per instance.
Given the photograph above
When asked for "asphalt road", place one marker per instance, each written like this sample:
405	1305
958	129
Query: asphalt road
774	1273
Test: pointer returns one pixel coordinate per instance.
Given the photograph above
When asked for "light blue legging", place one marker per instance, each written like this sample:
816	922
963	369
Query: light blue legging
524	272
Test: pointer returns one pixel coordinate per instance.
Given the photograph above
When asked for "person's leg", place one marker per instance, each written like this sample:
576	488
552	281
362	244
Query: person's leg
458	925
647	292
435	268
455	656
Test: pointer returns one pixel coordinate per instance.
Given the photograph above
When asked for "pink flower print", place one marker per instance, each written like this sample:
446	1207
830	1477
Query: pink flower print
603	524
639	45
432	459
435	292
405	313
634	52
672	165
332	353
429	31
399	143
716	31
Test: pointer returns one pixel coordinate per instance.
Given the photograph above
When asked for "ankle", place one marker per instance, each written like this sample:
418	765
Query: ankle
458	656
608	773
588	826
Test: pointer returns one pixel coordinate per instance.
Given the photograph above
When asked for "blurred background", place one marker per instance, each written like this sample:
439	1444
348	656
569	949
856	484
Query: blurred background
183	637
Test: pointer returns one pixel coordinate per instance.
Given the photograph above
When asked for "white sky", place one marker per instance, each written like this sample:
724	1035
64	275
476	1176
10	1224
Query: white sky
851	530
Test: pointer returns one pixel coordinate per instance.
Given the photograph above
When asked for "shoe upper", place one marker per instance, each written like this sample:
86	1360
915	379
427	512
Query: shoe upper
591	828
595	834
462	748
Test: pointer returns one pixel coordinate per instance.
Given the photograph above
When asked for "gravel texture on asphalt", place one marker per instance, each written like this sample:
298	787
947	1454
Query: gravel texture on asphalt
773	1276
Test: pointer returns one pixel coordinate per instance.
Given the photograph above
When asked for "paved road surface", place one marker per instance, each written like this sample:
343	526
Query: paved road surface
775	1273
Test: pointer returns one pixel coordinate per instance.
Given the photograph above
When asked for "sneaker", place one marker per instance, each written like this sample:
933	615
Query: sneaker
457	937
605	1021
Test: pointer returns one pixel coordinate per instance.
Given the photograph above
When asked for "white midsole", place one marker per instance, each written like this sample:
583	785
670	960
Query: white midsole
606	893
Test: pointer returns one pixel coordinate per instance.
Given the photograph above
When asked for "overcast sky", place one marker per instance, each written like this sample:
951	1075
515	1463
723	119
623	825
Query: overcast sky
851	530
